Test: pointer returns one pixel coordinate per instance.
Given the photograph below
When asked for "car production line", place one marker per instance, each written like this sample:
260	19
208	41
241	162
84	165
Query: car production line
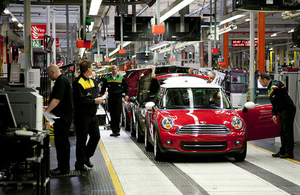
122	166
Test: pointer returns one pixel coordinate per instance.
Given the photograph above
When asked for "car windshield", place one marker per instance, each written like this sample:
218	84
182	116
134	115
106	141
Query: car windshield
175	98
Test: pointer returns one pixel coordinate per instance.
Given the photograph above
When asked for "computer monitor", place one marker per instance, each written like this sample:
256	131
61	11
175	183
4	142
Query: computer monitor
7	119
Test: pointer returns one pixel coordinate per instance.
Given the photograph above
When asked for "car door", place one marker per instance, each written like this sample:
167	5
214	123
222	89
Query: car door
259	122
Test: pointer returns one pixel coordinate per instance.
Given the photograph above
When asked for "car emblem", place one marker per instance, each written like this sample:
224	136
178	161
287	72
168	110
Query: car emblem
203	122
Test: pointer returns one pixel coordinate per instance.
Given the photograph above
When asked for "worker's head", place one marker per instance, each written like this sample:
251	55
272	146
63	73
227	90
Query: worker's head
114	70
172	69
53	72
264	79
93	75
211	75
86	67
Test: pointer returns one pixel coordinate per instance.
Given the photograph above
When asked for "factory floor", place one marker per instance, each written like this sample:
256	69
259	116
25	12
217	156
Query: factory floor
122	166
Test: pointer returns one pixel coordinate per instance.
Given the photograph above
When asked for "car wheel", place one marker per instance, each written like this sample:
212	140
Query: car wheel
134	124
138	135
241	156
158	156
148	146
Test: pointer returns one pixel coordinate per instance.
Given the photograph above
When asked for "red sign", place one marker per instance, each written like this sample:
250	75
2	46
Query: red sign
242	43
38	31
56	42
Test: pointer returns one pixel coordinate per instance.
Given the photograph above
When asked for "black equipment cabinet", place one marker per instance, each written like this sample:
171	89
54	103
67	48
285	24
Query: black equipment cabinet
25	160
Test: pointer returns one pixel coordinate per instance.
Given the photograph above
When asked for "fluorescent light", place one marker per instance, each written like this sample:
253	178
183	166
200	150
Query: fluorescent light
178	5
94	7
6	11
227	29
118	47
126	43
20	25
81	52
14	19
142	10
273	35
91	27
292	30
114	51
112	59
247	20
159	45
178	46
232	18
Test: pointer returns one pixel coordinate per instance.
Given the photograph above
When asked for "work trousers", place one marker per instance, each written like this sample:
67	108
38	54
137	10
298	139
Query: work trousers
115	110
286	121
62	143
86	125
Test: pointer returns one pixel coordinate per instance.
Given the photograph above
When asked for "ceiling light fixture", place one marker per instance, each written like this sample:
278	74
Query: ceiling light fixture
231	18
174	7
227	29
159	45
126	43
142	10
6	11
94	7
114	51
291	31
112	59
273	35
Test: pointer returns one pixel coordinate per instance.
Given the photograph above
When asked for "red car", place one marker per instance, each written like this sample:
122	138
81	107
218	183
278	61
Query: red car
190	116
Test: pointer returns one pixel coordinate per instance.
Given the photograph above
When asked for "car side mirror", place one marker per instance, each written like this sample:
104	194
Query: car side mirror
149	105
248	105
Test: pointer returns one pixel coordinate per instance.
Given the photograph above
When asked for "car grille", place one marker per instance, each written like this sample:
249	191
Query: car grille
203	146
203	129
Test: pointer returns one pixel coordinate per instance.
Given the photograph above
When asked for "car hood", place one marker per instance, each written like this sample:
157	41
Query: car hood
201	116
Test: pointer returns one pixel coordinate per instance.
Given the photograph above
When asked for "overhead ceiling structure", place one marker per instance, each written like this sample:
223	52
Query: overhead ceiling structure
276	22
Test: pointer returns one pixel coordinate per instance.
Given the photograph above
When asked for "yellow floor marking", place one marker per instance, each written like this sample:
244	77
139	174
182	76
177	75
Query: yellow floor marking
272	153
111	170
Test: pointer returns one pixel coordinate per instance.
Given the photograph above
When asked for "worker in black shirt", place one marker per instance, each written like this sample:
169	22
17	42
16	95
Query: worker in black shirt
61	105
86	102
282	104
117	86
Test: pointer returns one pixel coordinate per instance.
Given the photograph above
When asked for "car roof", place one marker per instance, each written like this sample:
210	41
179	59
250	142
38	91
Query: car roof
187	82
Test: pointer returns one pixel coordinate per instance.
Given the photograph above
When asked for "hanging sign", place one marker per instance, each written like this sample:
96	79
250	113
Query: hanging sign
38	31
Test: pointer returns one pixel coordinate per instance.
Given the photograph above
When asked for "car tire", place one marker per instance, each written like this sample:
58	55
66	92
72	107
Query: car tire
158	156
134	123
138	135
126	119
148	145
238	157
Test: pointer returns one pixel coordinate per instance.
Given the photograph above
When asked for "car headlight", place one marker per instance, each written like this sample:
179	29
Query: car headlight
236	123
167	123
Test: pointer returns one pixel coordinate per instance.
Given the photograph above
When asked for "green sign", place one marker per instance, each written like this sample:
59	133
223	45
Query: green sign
267	46
35	43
